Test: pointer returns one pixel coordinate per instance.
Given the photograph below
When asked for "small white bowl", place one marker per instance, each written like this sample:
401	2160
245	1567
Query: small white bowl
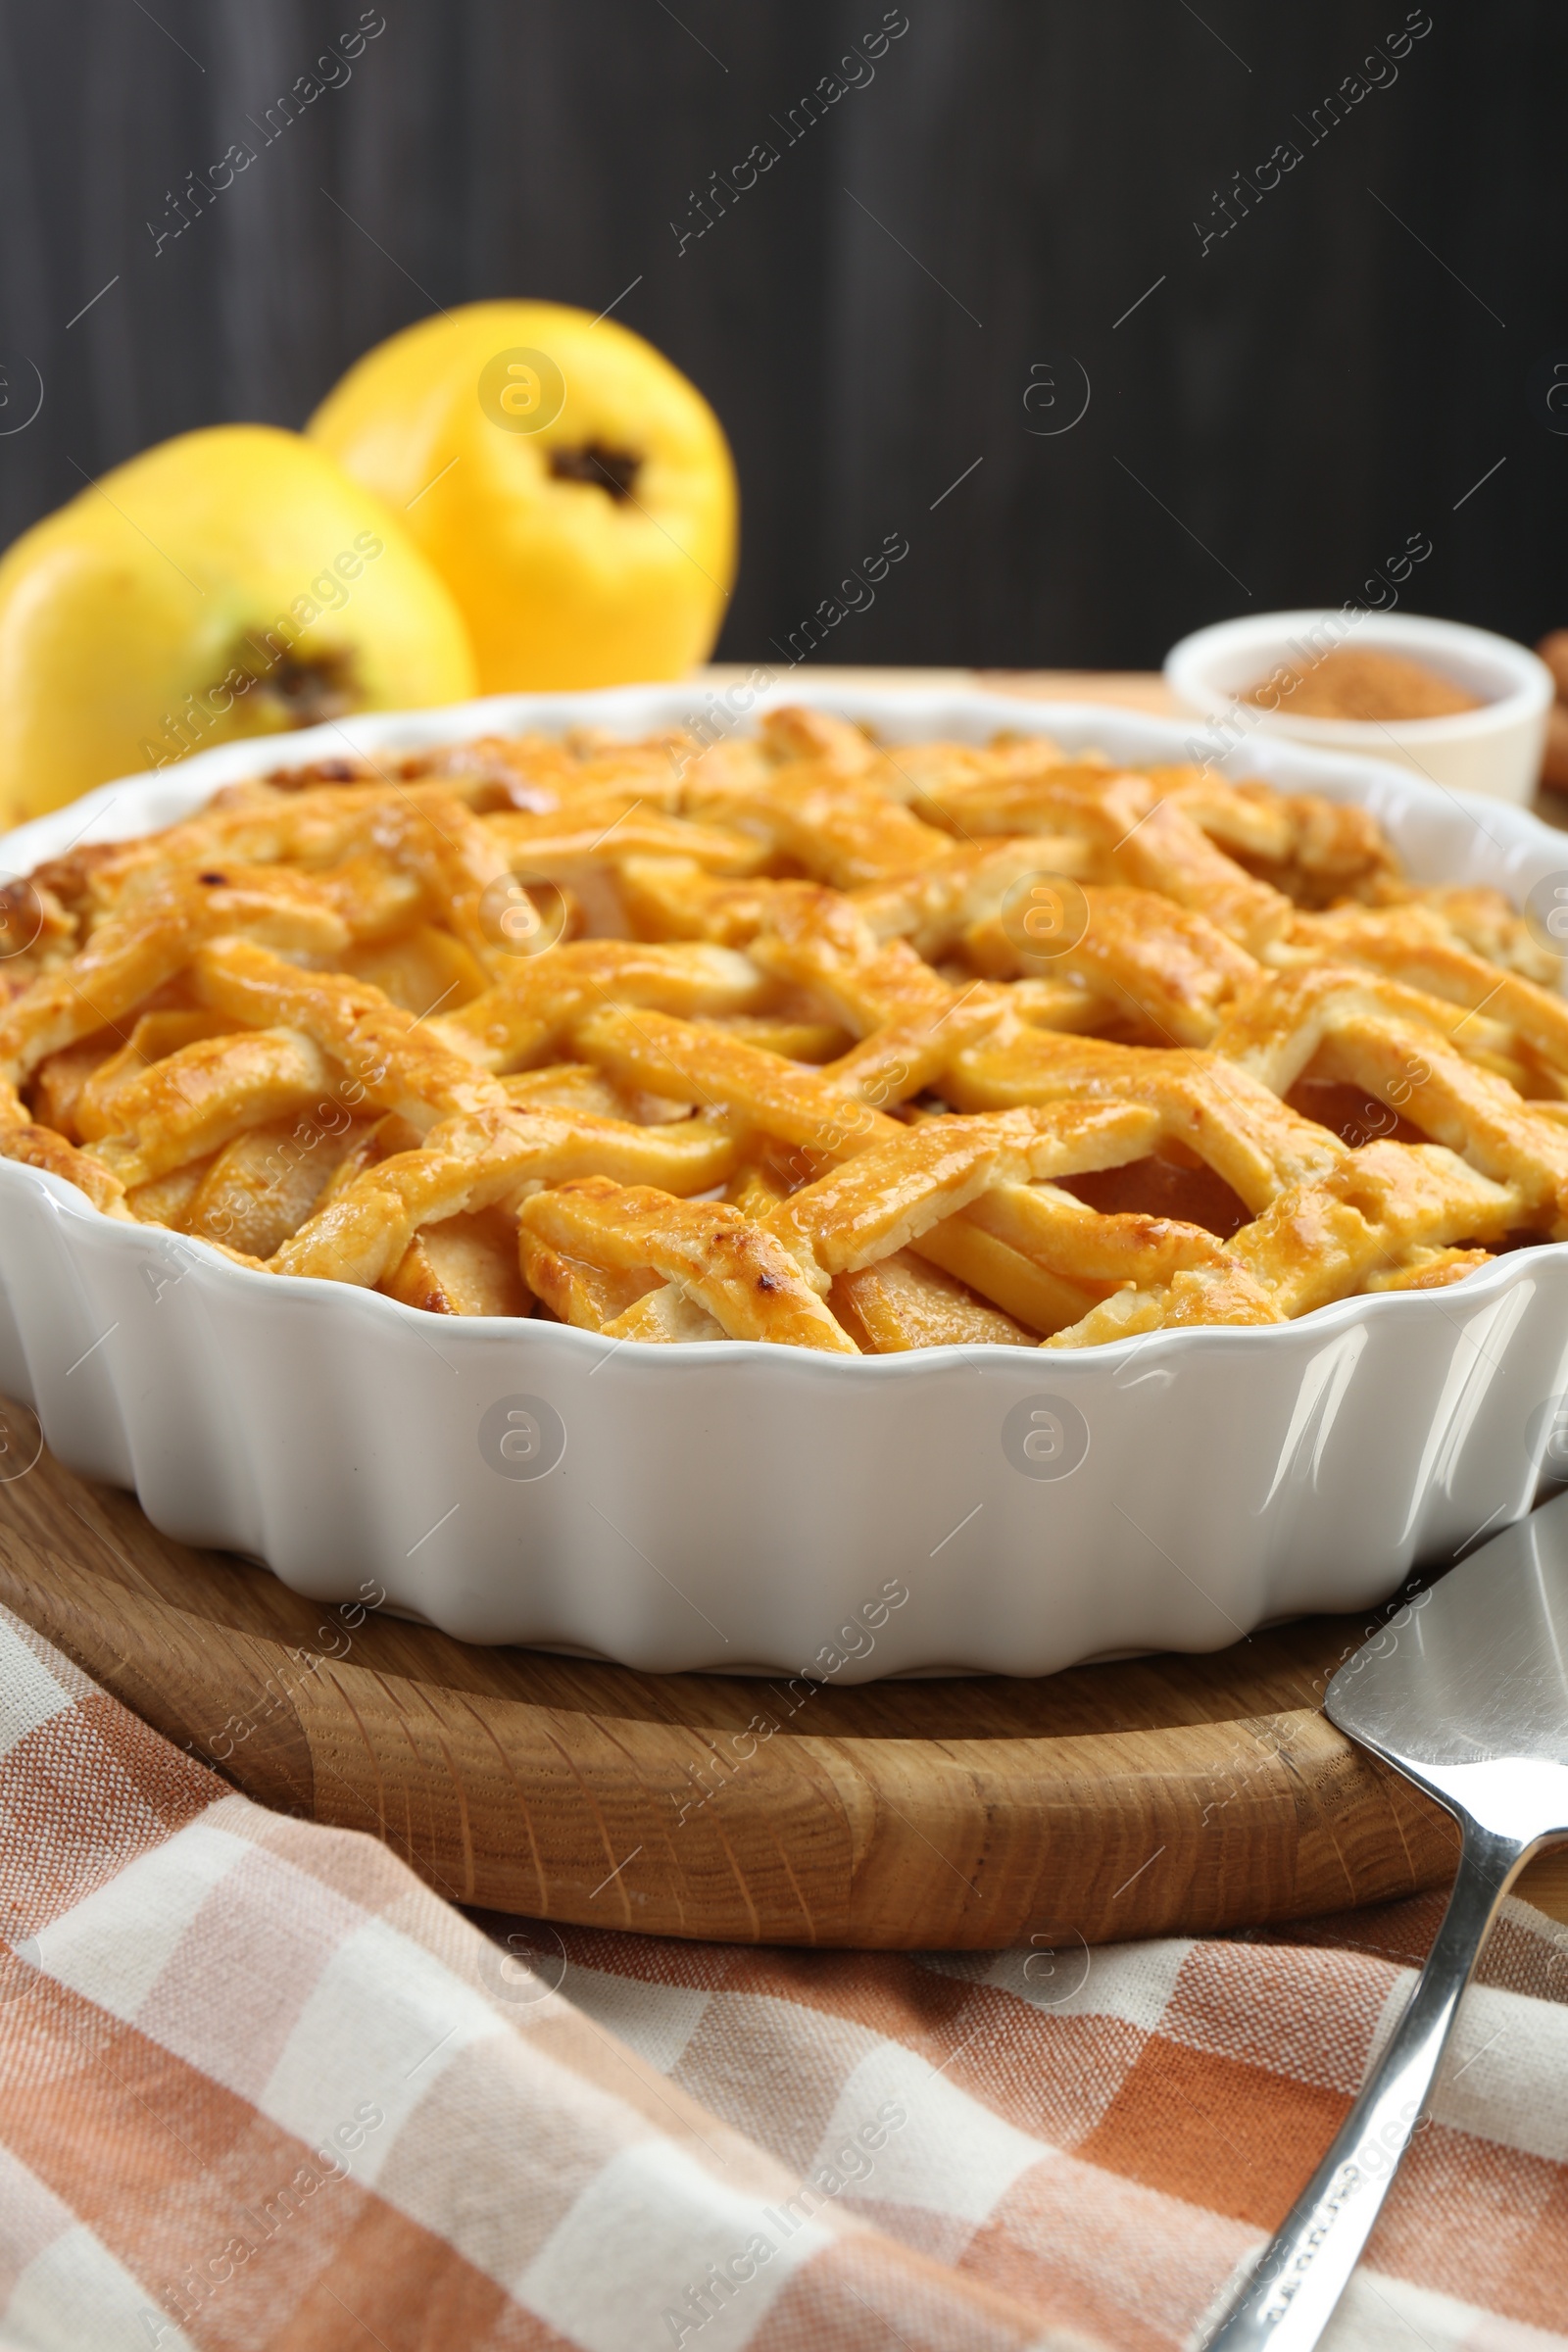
1495	750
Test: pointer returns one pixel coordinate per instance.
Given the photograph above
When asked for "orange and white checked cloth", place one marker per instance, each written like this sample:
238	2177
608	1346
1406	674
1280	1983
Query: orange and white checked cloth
259	2088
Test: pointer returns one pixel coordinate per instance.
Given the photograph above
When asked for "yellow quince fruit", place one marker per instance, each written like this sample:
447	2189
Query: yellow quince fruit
573	489
231	581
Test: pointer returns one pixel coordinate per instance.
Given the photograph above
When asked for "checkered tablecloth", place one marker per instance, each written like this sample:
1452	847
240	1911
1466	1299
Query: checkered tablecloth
259	2088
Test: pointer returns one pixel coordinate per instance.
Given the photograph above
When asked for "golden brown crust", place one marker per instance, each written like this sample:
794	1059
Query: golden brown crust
40	1148
716	1257
295	1026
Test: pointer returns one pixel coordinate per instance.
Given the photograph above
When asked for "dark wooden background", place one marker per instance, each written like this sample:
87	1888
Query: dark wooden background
1279	415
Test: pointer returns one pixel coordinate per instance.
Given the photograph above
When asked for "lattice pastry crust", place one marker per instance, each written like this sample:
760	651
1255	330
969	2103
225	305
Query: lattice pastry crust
799	1039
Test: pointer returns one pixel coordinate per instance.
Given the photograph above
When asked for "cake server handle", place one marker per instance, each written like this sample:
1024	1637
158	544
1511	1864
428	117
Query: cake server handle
1290	2296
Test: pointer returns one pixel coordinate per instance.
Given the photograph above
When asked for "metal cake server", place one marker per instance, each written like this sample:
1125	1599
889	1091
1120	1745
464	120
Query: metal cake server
1466	1692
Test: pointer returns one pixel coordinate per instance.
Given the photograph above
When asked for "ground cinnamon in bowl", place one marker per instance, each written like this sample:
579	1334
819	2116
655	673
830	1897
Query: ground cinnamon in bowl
1361	683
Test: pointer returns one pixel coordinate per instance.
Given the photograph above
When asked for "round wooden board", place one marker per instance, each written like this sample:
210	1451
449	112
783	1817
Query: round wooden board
1157	1795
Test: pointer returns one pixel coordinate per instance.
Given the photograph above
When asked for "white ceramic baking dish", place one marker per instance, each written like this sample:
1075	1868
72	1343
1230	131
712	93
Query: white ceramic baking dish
742	1506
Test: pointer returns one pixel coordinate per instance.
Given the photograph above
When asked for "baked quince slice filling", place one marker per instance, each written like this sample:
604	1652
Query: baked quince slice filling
465	1265
261	1188
900	1305
575	1289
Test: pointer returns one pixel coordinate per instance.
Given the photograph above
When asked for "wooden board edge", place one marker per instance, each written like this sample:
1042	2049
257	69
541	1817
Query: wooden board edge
875	1844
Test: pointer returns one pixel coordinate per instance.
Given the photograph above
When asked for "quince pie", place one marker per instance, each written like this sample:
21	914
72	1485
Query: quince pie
801	1038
